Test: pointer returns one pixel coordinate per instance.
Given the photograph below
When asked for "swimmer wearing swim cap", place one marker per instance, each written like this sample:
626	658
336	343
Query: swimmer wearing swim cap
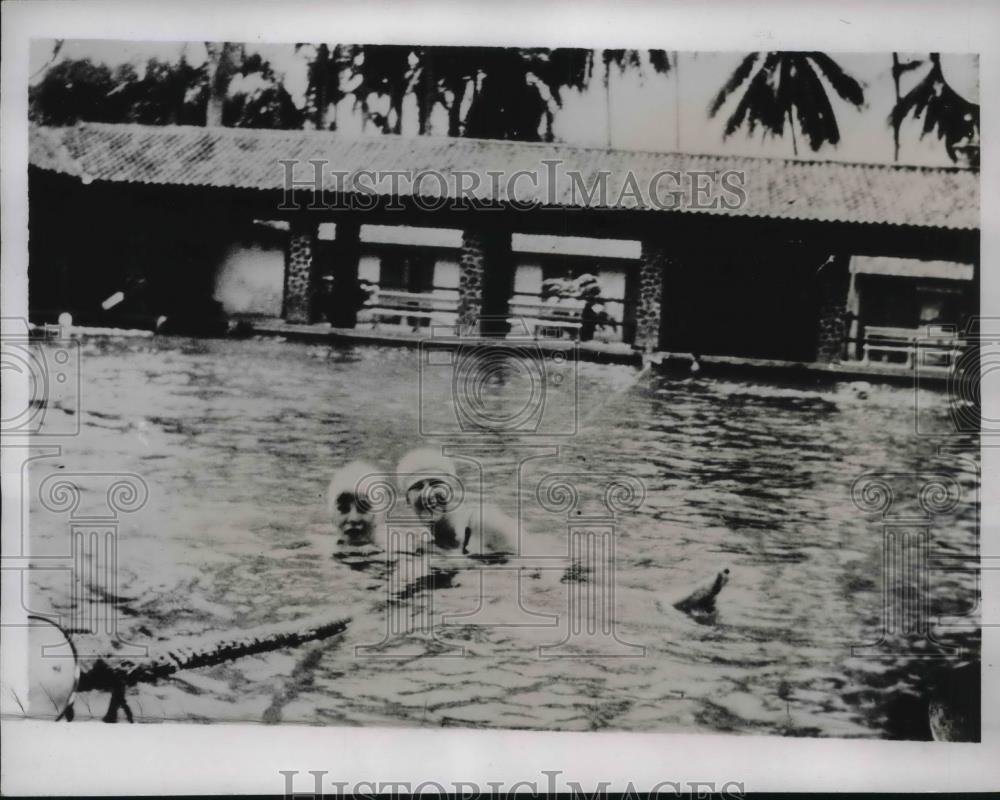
350	509
432	488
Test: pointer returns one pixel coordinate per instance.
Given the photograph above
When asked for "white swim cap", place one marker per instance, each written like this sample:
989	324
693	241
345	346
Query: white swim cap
424	463
349	478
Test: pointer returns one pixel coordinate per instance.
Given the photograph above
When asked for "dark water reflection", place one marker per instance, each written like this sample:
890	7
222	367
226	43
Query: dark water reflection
237	439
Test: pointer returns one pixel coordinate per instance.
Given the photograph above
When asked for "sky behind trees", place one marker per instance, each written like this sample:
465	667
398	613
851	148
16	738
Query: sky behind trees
648	110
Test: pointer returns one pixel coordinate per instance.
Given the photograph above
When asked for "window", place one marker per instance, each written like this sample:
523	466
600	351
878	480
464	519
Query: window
407	270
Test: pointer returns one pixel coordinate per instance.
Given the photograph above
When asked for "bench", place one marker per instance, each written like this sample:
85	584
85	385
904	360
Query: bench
942	346
548	320
388	304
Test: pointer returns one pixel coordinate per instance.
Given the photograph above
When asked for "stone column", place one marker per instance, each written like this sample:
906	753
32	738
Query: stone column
485	280
833	320
301	273
649	312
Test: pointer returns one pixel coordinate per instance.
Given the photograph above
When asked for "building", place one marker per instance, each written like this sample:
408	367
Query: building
811	255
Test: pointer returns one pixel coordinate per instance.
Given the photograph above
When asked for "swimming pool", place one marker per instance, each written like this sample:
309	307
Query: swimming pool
236	441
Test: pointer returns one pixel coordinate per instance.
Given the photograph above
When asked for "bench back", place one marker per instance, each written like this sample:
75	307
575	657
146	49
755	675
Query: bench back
564	311
412	301
910	335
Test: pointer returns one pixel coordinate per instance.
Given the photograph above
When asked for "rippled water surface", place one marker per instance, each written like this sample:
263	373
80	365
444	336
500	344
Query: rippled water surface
238	439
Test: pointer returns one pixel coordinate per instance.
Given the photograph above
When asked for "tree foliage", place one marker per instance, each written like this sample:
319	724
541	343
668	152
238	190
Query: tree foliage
495	92
163	93
325	85
256	98
781	88
954	119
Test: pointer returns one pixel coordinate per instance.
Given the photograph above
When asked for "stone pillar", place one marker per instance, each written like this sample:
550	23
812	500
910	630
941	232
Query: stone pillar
649	311
301	273
485	280
833	320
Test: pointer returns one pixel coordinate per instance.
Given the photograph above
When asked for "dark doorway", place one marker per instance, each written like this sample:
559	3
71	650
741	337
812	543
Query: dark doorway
757	301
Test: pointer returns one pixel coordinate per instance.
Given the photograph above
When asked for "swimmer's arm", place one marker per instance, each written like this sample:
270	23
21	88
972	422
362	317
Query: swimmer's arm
491	531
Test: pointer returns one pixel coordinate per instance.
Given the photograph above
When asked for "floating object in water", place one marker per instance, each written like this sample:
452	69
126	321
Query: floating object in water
859	389
954	710
49	686
65	324
659	358
703	598
113	301
116	675
656	357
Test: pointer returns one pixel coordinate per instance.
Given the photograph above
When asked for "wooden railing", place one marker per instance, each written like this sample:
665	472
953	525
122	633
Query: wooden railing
546	319
543	319
412	307
939	348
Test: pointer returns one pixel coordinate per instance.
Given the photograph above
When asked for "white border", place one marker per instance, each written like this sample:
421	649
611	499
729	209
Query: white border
73	759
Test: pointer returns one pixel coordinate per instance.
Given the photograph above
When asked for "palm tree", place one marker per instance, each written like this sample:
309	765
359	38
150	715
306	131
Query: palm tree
385	70
448	76
324	88
224	60
782	87
256	98
500	93
516	90
551	72
955	119
899	68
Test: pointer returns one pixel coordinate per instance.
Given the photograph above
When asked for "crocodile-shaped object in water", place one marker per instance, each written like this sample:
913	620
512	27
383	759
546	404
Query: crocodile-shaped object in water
115	675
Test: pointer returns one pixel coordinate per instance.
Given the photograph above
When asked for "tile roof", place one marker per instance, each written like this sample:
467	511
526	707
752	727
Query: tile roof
249	159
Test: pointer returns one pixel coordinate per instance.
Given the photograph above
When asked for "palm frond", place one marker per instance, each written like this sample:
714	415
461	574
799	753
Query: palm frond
815	113
846	87
788	87
740	74
659	61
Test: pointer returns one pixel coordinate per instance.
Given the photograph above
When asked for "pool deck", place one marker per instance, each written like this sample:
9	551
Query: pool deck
616	353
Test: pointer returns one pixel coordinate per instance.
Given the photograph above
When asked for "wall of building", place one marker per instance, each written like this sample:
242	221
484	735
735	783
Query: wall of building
174	251
248	278
87	243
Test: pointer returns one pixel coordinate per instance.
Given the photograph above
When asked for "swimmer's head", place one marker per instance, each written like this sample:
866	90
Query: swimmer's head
349	506
428	480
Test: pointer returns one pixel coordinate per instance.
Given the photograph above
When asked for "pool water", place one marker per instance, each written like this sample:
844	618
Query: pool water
237	440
